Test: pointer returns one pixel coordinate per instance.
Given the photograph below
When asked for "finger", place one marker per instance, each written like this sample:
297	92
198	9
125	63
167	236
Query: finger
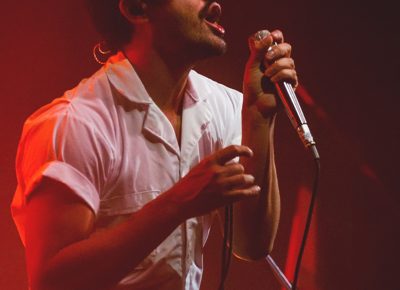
287	75
238	194
259	44
280	64
232	169
233	151
237	181
278	51
277	36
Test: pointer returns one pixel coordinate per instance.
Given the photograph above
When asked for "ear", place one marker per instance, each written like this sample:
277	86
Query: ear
133	10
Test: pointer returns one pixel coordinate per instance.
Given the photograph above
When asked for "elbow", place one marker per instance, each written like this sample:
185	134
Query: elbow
253	246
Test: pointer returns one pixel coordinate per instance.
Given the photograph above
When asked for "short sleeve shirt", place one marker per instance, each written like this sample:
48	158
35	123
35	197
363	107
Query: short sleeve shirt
113	147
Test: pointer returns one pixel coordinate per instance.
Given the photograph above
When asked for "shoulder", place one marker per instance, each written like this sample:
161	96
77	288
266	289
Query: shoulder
88	105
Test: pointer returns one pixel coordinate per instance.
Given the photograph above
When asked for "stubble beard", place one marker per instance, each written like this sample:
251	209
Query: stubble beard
205	46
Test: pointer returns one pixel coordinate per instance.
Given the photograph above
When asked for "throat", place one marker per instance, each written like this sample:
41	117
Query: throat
175	118
173	110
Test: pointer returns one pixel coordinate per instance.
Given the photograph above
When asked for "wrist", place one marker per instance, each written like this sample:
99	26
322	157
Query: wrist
174	206
264	105
256	115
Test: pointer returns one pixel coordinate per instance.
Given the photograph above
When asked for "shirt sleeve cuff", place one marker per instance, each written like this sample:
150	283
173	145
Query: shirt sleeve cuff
70	177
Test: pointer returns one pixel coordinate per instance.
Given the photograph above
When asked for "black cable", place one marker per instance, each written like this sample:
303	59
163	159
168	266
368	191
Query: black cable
309	217
226	245
223	249
228	230
229	247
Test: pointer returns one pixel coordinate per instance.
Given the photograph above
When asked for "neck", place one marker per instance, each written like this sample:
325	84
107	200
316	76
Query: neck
164	75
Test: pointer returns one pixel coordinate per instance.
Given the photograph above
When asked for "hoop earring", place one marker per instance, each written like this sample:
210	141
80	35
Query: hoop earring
100	55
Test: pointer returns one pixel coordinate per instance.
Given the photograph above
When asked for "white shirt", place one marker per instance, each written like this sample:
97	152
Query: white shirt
114	148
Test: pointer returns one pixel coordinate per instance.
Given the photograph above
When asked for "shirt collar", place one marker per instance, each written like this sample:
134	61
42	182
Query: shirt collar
126	81
196	88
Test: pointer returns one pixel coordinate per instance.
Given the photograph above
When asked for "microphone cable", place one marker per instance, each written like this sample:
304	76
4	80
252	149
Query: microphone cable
226	245
309	216
228	232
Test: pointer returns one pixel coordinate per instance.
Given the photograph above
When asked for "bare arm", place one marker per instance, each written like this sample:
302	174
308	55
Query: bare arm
63	253
256	219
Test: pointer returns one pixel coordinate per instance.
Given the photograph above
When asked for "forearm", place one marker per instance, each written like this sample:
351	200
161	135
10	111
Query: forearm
63	254
103	259
256	220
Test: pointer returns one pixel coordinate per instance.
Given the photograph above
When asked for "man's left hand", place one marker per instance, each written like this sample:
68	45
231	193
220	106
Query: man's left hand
269	62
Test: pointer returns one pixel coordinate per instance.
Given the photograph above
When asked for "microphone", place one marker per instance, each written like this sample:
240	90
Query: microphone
292	107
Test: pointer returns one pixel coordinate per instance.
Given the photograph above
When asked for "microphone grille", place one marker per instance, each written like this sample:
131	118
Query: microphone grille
261	34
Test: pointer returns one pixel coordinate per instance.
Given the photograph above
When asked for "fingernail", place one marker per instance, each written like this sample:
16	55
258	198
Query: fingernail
251	151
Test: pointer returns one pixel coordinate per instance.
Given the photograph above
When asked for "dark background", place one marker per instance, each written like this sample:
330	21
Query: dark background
346	55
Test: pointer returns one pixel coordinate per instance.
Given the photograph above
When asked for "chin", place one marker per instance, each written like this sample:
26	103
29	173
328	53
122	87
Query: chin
216	47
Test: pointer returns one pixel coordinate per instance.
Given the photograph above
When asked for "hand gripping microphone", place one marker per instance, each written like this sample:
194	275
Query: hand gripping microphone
292	107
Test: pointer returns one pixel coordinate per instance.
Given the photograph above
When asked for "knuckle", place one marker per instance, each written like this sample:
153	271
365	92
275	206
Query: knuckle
235	148
291	63
288	48
292	76
216	170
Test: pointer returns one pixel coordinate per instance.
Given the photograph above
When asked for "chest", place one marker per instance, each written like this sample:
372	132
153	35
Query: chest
175	119
150	157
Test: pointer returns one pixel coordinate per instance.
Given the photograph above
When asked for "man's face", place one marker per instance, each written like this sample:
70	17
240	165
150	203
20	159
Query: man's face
188	27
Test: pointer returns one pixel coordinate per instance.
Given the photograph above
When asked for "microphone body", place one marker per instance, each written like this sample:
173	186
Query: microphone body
294	112
292	107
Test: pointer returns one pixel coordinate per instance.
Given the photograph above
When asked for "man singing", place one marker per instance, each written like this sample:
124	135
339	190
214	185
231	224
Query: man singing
119	179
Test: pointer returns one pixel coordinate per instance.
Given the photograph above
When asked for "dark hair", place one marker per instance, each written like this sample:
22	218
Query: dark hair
110	23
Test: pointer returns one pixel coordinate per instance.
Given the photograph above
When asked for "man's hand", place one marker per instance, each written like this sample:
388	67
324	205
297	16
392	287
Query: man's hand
214	182
269	62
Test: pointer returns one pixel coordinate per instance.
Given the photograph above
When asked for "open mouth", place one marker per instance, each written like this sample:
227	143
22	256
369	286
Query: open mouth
212	17
216	27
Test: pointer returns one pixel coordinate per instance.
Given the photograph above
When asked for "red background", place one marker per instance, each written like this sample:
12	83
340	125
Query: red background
347	59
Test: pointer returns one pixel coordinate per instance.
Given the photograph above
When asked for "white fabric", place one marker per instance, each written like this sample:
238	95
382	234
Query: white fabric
110	143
